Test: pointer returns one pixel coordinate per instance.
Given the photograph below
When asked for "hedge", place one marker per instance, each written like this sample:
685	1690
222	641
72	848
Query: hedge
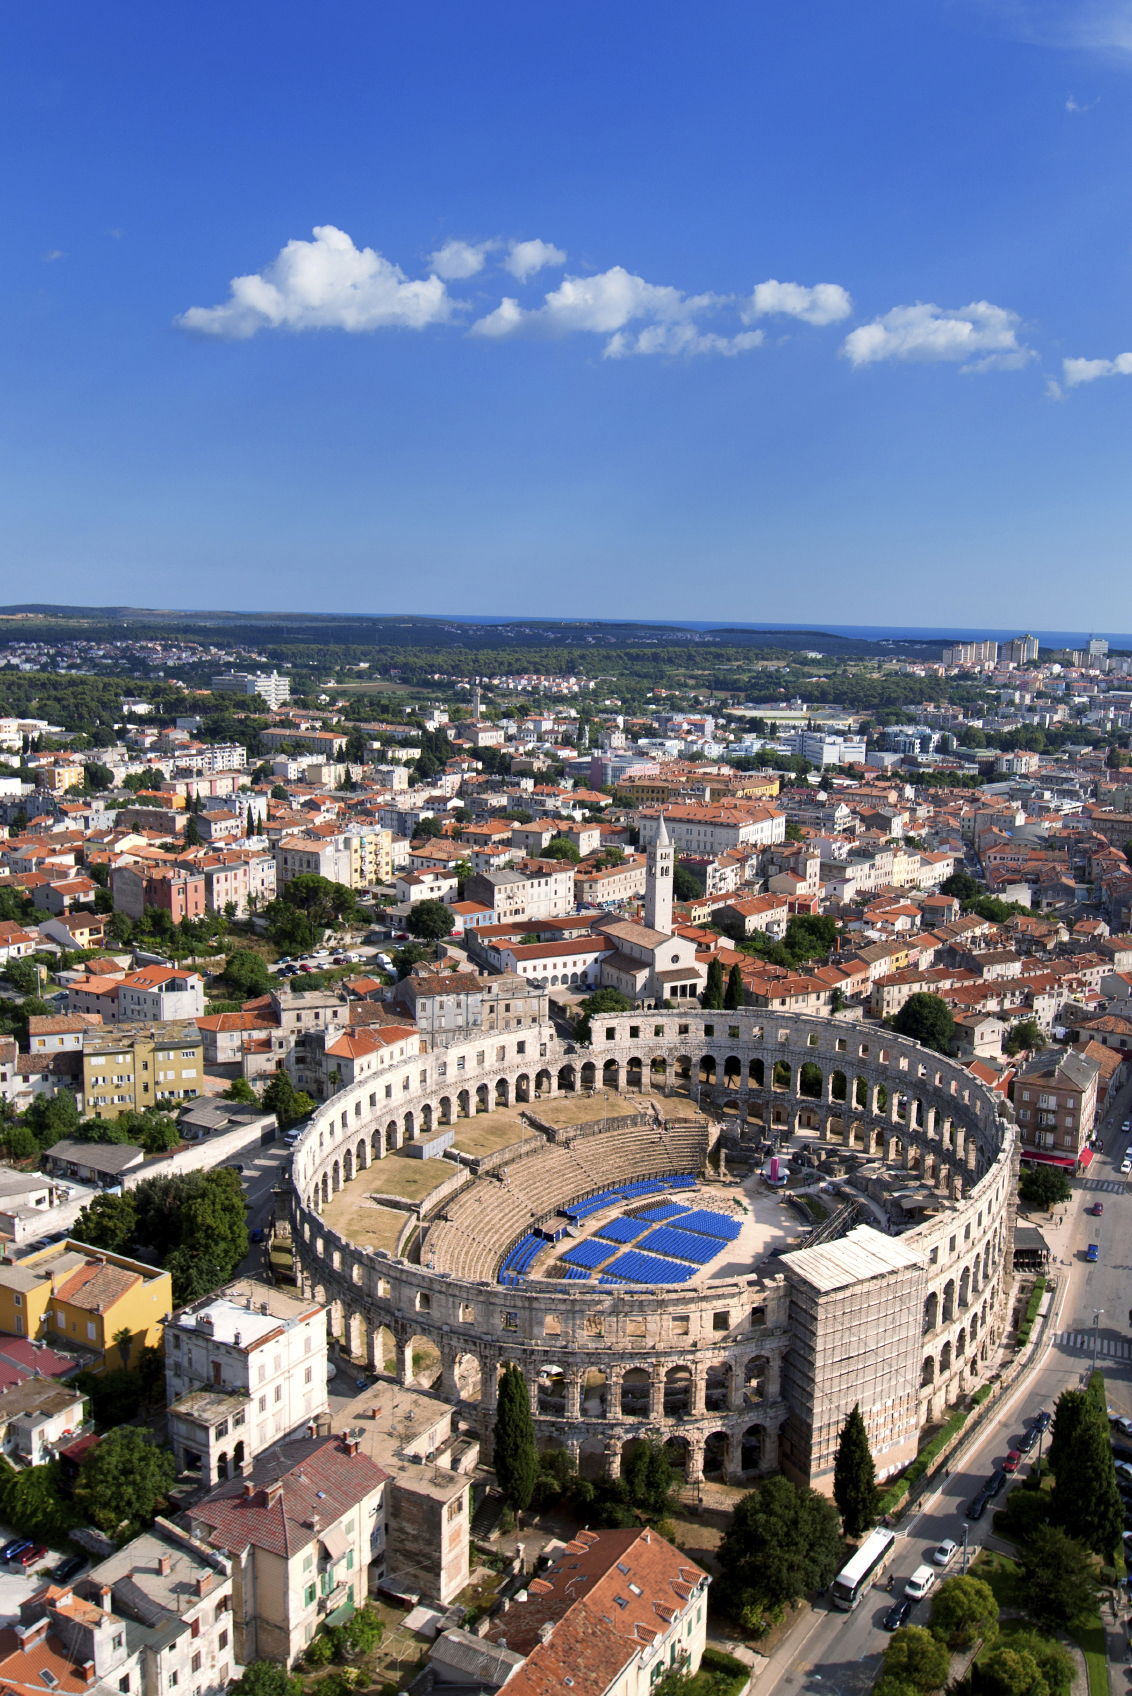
1031	1312
923	1461
715	1660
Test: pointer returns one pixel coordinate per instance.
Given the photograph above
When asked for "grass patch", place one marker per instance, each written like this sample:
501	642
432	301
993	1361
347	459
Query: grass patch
1030	1314
489	1131
1003	1575
1090	1637
816	1209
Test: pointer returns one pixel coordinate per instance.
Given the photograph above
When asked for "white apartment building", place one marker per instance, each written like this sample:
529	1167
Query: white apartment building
302	856
822	749
159	992
273	689
244	1368
712	829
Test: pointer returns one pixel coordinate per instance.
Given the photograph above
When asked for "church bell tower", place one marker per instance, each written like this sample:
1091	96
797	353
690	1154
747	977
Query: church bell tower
658	881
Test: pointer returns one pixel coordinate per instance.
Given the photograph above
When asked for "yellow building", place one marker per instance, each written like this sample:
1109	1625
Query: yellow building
72	1295
140	1066
371	856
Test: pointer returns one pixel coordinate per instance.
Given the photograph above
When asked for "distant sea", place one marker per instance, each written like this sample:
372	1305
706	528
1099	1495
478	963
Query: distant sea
862	632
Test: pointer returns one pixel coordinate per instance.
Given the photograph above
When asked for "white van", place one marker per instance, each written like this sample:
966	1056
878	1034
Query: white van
920	1583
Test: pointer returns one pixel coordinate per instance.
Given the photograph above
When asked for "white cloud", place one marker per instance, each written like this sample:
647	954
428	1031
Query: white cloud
459	259
982	336
52	254
1072	105
825	303
1078	371
326	283
527	257
606	305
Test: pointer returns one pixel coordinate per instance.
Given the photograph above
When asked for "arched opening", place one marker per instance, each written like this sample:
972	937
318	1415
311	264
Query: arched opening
684	1074
780	1076
325	1189
335	1179
633	1073
961	1344
502	1094
706	1073
238	1457
423	1363
949	1301
717	1388
838	1087
392	1137
861	1093
446	1114
755	1074
591	1457
410	1128
375	1148
676	1450
361	1155
882	1098
426	1117
635	1393
589	1075
463	1105
347	1167
965	1287
678	1392
594	1391
483	1099
931	1312
754	1378
468	1378
810	1081
609	1074
542	1084
567	1079
945	1358
658	1072
222	1464
732	1072
751	1449
552	1392
927	1372
715	1455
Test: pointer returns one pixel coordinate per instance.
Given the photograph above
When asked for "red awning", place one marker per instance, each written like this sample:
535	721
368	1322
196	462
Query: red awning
1086	1158
1048	1159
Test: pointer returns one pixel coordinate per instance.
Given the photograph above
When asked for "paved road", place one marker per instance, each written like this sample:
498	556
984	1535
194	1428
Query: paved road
837	1654
263	1167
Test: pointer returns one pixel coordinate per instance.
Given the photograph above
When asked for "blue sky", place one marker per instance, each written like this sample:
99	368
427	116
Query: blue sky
729	311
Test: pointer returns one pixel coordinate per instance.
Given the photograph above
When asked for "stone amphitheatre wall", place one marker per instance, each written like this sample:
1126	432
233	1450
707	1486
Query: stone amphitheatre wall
700	1366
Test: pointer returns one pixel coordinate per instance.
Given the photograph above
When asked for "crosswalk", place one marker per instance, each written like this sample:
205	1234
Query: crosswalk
1112	1347
1110	1185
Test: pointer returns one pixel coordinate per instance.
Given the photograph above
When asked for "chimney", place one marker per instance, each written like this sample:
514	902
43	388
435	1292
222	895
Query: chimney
204	1584
163	1565
236	1338
545	1630
249	1488
263	1307
86	1672
106	1597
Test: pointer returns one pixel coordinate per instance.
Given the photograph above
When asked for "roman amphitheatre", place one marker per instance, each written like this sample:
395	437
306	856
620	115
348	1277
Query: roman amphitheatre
520	1199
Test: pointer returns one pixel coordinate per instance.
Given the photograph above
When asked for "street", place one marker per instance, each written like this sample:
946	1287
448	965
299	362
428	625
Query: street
263	1168
838	1654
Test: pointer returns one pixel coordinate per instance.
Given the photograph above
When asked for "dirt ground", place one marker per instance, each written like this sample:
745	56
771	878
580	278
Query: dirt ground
365	1222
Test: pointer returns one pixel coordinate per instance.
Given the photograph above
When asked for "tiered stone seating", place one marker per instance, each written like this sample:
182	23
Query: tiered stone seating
481	1223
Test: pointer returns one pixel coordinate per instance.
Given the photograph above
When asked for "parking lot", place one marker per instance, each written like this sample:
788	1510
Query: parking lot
17	1587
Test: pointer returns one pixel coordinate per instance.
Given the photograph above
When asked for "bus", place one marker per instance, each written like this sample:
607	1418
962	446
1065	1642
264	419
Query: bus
858	1573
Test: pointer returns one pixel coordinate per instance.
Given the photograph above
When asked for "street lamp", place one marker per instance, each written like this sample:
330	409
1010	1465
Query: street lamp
1096	1333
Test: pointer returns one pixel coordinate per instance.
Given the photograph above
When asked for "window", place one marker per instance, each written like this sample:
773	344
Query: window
733	1030
194	1664
116	1642
308	1596
263	1404
349	1560
91	1330
194	1628
455	1509
308	1561
721	1321
174	1680
124	1685
222	1640
278	1392
610	1034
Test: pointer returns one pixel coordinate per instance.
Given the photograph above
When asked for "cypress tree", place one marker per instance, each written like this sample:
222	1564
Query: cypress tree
249	825
854	1476
1085	1501
713	993
733	1000
514	1455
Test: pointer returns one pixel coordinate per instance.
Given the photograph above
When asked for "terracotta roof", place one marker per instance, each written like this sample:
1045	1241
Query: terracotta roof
291	1484
96	1286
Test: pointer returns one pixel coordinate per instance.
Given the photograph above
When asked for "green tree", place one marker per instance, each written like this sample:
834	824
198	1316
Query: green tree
685	885
1009	1671
1085	1502
266	1678
961	886
428	829
278	793
122	1481
915	1657
241	1090
283	1099
1027	1033
854	1476
52	1117
247	972
20	1142
430	920
1054	1664
648	1478
194	1275
1044	1186
33	1503
601	1001
192	837
1059	1580
107	1222
734	998
97	777
963	1611
713	990
514	1453
927	1019
783	1541
561	848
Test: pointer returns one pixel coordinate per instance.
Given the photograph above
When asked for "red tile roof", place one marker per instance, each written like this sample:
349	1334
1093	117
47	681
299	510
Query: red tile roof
291	1484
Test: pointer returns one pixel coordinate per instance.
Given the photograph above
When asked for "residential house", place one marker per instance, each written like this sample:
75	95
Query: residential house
140	1066
245	1368
85	1298
38	1417
1055	1100
301	1530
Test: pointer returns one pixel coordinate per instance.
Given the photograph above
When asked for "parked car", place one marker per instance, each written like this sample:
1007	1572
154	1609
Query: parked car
946	1552
978	1507
1097	1209
1027	1440
31	1556
1123	1470
897	1614
259	1234
1126	1165
234	1166
1121	1451
68	1569
1044	1420
1124	1426
12	1549
1010	1464
1093	1253
996	1482
918	1586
